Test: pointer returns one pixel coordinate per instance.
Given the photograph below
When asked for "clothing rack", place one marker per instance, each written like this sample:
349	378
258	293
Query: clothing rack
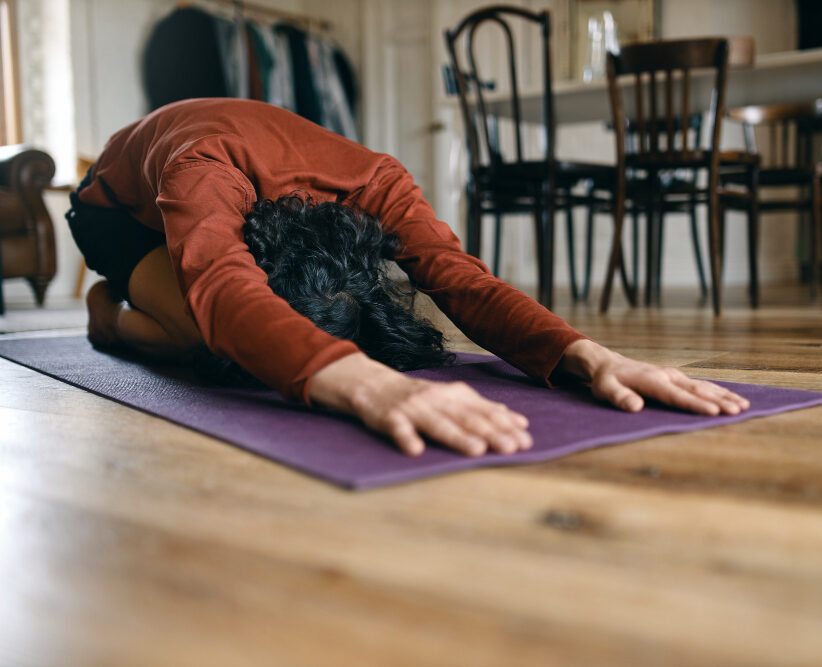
243	8
261	57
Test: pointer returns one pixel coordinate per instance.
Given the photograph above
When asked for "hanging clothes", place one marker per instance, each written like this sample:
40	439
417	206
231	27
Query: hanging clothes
231	41
194	53
337	115
306	95
348	79
182	59
281	81
261	60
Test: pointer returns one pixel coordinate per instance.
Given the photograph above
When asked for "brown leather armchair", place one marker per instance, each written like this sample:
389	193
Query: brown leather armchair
26	231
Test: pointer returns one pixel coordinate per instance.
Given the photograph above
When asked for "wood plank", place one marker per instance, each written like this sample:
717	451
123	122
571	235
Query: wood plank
127	540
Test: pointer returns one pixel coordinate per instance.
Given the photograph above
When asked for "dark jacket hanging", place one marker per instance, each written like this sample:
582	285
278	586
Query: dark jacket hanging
348	79
305	91
182	60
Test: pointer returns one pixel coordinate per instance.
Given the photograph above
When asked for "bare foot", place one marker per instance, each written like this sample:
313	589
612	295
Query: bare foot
103	309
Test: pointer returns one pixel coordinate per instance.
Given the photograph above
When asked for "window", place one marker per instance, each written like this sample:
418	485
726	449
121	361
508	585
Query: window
10	127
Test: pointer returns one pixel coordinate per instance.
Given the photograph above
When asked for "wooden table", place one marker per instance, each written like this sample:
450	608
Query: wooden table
126	540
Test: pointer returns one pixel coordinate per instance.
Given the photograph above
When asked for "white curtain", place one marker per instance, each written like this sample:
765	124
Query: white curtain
46	94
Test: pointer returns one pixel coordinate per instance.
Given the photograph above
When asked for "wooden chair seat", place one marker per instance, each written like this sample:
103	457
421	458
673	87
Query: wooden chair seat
523	175
697	159
776	176
659	161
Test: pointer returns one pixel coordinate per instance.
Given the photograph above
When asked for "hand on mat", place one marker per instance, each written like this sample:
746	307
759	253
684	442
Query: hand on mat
624	382
406	409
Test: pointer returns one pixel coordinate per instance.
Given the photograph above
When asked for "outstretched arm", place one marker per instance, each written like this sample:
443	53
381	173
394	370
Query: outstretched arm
513	326
407	409
624	382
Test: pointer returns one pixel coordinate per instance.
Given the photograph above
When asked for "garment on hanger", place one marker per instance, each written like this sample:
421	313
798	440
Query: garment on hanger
306	95
281	82
348	79
182	59
231	41
195	53
337	115
260	60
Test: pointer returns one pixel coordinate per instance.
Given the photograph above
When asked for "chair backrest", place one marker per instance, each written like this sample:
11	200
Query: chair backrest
694	125
788	128
741	55
661	73
477	81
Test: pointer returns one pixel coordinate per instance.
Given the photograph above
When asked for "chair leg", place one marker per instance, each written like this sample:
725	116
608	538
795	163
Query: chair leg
497	241
753	269
548	265
589	253
723	215
80	279
539	231
816	233
630	292
39	285
700	269
753	239
660	223
472	227
543	225
715	248
650	253
616	246
635	249
723	211
572	271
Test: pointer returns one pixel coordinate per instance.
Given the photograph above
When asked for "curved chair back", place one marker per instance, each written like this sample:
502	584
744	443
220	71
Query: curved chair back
478	82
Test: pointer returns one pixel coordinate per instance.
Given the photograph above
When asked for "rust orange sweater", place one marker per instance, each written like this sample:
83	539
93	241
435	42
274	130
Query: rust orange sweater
192	169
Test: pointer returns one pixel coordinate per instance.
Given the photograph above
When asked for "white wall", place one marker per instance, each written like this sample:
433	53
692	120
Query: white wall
106	58
771	22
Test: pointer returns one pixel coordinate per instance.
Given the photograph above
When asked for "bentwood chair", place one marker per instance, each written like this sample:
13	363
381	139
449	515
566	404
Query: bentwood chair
789	172
508	173
661	76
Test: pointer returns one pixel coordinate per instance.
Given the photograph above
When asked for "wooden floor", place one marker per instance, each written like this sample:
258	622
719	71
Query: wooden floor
125	540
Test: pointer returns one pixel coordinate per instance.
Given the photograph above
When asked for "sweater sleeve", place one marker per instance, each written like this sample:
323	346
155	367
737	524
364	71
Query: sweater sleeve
492	313
202	203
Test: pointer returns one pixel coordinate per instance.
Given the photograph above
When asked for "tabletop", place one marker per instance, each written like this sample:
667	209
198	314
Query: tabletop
775	78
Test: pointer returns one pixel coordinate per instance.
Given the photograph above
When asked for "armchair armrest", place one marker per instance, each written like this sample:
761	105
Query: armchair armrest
27	247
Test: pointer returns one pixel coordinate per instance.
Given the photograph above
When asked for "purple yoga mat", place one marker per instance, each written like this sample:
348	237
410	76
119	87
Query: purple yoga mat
342	451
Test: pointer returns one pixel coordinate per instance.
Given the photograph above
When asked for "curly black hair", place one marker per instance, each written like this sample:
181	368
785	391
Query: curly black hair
329	262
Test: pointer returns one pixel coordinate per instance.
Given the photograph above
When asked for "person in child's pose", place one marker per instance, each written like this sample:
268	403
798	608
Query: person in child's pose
242	226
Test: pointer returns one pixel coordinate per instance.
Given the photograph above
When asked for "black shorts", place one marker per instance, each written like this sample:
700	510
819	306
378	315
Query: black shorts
111	240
